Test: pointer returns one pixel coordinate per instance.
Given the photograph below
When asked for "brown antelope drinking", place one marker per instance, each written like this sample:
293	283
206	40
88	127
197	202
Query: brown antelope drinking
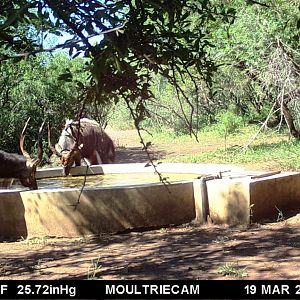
19	166
90	143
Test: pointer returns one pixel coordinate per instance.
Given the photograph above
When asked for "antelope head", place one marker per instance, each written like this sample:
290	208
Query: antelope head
67	156
28	176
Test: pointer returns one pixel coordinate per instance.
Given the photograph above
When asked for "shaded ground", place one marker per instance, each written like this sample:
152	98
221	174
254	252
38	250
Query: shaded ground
269	251
129	148
186	252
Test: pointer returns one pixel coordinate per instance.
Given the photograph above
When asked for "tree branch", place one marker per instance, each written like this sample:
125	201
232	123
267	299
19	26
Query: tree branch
67	44
69	23
256	2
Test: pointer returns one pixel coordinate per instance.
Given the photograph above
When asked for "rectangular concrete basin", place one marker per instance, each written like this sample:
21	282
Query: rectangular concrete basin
68	212
239	197
244	200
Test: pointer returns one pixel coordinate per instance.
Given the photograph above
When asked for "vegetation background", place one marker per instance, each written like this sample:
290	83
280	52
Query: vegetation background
246	52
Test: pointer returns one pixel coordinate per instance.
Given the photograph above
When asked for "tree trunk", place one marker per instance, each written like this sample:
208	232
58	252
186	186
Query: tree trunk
284	105
290	121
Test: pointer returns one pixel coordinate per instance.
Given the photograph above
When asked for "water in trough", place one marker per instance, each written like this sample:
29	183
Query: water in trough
107	180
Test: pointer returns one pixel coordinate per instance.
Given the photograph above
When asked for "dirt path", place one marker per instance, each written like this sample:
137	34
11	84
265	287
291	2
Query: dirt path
186	252
129	149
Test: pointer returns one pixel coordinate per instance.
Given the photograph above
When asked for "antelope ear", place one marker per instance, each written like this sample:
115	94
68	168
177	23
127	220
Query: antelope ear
58	148
80	146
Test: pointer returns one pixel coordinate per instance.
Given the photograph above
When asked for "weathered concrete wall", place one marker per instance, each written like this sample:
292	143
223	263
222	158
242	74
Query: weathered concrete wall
229	201
244	200
270	194
12	216
54	213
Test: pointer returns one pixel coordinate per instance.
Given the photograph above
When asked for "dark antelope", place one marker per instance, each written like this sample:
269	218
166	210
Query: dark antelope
90	143
23	166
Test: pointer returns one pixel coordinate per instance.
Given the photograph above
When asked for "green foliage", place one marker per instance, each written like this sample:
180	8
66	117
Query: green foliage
119	117
32	89
280	216
94	268
283	154
253	69
233	269
228	122
177	64
138	39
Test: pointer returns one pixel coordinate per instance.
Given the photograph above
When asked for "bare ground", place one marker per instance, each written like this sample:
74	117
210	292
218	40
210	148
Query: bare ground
270	251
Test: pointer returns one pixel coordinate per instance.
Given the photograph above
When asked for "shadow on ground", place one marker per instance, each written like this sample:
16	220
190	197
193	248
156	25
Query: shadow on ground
136	155
261	252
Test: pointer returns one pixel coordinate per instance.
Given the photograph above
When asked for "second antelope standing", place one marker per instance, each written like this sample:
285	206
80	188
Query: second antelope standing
90	143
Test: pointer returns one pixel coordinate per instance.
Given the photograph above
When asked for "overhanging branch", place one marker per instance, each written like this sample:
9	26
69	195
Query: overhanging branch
59	46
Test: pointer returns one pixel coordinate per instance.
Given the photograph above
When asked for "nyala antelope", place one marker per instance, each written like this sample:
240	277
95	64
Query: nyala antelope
22	167
90	142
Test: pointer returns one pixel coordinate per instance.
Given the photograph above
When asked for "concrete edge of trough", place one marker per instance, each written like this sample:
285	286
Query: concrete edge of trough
200	169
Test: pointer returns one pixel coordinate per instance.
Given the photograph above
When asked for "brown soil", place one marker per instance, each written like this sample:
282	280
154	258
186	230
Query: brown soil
270	251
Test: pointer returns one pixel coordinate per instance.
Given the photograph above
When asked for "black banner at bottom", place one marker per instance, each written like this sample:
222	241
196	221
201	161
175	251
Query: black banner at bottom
155	289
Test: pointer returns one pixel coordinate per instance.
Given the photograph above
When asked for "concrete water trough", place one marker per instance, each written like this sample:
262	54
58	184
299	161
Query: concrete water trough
227	194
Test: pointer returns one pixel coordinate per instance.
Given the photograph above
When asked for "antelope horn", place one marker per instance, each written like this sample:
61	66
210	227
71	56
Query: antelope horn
52	148
22	137
40	145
